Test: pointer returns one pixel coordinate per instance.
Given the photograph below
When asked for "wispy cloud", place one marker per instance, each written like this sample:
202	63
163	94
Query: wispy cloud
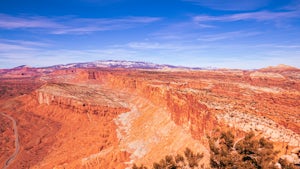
37	57
162	46
24	43
227	35
8	46
257	16
244	56
13	47
72	25
286	46
145	45
87	25
12	22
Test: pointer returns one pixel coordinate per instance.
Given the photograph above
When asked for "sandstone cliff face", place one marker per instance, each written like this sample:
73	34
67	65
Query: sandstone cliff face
77	99
184	106
67	126
88	118
197	102
95	110
137	144
139	134
149	133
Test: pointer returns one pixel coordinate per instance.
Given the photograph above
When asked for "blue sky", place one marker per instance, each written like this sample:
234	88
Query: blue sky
243	34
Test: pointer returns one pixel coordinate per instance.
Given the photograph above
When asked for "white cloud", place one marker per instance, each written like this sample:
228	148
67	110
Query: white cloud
227	35
24	43
72	25
257	16
162	46
12	47
12	22
88	25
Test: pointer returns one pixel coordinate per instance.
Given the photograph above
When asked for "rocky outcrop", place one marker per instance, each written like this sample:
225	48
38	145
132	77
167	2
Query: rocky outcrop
267	127
268	75
60	125
148	133
184	106
109	117
78	99
196	101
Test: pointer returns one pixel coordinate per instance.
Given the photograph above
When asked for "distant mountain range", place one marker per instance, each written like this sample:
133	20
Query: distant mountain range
140	65
121	64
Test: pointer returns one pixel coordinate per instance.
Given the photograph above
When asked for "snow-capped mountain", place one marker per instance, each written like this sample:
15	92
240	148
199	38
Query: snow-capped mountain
119	64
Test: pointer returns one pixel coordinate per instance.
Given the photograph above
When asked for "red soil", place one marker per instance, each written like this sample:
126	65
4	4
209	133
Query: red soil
76	118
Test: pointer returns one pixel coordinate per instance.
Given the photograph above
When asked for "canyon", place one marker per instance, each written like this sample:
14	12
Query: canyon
113	116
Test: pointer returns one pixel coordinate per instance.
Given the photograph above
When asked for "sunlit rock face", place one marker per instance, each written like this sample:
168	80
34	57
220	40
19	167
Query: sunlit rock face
70	117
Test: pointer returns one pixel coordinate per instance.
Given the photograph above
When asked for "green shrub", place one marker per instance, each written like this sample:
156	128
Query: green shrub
189	160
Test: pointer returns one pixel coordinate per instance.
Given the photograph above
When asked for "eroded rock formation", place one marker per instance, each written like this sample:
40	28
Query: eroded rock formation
112	118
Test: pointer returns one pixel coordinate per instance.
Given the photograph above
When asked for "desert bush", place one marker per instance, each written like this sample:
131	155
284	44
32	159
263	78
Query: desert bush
187	161
249	152
138	167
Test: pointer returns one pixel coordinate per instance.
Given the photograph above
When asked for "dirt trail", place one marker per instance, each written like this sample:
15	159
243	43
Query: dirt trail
17	144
